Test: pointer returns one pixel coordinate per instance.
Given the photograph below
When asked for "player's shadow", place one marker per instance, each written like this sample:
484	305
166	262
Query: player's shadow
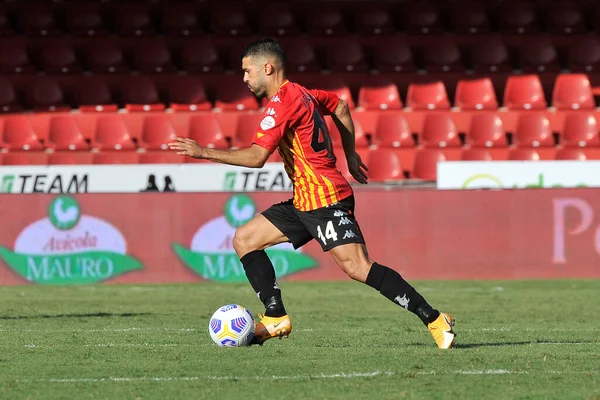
503	344
80	315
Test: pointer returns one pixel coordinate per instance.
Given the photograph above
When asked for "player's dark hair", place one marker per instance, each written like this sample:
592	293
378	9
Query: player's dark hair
265	47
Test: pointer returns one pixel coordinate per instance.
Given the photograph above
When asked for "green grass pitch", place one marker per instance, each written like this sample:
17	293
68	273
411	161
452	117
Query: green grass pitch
516	340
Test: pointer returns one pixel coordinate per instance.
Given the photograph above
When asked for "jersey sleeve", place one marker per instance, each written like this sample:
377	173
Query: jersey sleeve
272	126
327	100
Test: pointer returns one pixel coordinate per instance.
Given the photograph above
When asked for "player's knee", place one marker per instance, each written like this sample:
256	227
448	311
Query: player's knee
355	269
242	241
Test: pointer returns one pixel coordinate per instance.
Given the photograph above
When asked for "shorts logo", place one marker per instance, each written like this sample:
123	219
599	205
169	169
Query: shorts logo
267	123
349	235
344	221
339	213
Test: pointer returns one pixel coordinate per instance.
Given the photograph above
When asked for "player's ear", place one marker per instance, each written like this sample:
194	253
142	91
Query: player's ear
269	69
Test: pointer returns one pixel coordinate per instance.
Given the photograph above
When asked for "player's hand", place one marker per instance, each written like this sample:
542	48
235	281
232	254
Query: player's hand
357	168
186	147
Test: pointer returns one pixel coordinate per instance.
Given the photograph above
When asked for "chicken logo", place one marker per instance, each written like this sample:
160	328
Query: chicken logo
212	256
69	248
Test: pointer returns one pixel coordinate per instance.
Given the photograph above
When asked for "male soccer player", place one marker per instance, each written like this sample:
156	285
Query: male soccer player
322	206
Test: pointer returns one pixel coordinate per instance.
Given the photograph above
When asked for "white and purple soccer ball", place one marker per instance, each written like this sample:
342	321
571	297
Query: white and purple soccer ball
231	325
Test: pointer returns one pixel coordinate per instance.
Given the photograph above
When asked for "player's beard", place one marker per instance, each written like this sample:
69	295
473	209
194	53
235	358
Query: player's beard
260	89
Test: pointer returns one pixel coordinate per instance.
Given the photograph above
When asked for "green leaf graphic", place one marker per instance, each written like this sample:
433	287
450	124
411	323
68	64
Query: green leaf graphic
69	269
226	267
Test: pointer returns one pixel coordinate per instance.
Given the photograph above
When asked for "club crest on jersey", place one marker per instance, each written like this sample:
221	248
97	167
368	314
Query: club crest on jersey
267	123
271	111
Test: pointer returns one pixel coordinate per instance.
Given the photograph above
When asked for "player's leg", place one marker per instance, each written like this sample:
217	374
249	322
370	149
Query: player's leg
278	224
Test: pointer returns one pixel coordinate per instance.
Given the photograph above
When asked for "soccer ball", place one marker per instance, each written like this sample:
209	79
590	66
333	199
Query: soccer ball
231	325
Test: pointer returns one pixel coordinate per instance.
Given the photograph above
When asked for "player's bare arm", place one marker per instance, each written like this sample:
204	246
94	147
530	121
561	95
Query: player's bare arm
251	157
344	123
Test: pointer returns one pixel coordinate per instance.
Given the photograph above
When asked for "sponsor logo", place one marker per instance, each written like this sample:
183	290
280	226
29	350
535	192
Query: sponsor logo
257	181
267	123
276	99
345	221
403	301
211	253
349	235
44	183
488	181
68	247
339	213
271	111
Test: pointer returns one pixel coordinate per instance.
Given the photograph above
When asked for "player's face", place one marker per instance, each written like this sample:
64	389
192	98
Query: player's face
254	76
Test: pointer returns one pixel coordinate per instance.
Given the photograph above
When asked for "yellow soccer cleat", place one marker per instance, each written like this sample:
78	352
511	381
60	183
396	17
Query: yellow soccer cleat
441	330
271	327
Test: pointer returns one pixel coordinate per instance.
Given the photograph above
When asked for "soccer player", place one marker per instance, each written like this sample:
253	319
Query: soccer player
322	206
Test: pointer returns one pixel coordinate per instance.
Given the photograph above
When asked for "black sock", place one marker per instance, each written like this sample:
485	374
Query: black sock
394	287
261	274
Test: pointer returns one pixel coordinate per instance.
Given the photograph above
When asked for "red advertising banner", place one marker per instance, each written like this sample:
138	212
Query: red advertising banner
177	237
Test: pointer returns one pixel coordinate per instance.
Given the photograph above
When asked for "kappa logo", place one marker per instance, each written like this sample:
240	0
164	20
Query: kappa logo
344	221
339	213
271	111
403	301
275	99
349	235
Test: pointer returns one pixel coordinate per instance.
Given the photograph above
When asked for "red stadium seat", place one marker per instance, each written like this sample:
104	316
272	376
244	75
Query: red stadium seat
425	166
180	19
565	18
18	134
524	92
422	18
65	134
45	94
394	55
200	56
133	19
235	95
533	130
346	56
279	21
584	54
153	56
301	56
160	157
393	131
157	132
439	130
360	137
14	58
106	57
112	134
490	55
325	21
37	19
373	20
427	96
115	157
8	97
469	17
247	127
187	94
538	54
70	158
522	154
570	153
206	130
486	130
92	95
477	94
379	95
85	19
442	55
140	94
572	92
518	17
228	20
580	130
59	57
475	155
384	165
25	158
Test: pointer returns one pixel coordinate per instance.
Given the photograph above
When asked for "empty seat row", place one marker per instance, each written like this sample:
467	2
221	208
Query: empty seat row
442	54
387	129
384	164
139	93
290	18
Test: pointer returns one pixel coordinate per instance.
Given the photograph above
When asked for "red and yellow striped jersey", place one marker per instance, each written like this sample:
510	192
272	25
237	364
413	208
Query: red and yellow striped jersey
294	124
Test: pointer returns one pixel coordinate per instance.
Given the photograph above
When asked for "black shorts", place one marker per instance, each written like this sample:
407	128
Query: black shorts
332	226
